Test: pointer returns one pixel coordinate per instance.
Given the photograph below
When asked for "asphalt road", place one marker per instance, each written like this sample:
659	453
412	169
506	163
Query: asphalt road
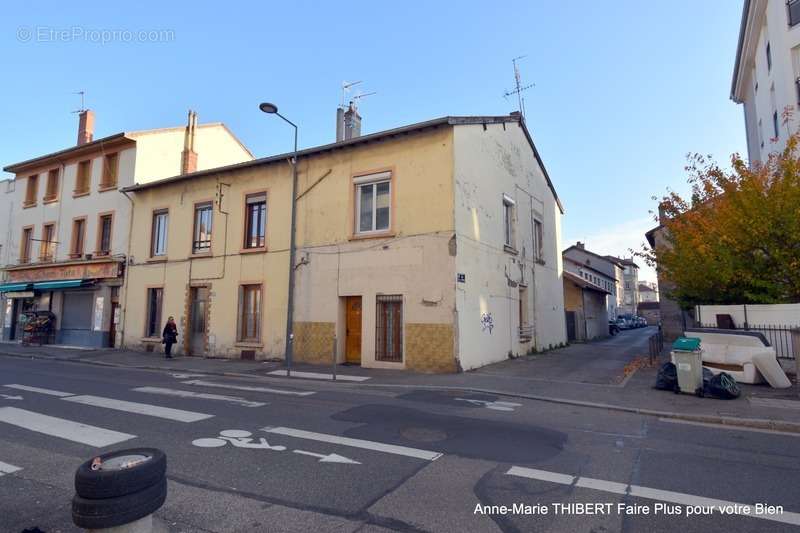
324	458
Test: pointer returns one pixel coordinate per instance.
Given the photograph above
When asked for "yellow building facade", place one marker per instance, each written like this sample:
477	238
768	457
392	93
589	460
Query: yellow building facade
384	276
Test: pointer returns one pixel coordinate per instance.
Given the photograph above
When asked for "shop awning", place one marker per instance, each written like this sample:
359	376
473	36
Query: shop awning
61	284
9	287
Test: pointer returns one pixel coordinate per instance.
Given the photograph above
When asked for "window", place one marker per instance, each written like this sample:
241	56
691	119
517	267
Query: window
48	245
110	168
250	313
256	221
51	192
775	123
769	57
523	306
83	178
202	228
508	221
793	8
389	328
627	285
25	245
78	237
373	202
31	191
104	226
538	241
154	298
158	239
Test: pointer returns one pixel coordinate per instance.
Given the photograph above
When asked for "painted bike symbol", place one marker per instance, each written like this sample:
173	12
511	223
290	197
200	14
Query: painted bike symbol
238	438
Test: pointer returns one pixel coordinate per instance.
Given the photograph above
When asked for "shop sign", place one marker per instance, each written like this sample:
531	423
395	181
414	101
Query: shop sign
98	313
79	271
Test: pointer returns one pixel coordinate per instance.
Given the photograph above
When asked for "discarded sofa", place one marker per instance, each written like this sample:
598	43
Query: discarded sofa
745	355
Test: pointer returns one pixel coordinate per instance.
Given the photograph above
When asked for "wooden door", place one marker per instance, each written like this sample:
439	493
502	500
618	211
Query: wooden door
112	329
353	330
197	321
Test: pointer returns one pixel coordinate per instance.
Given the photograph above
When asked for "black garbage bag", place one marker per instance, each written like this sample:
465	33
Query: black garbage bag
707	375
722	386
667	378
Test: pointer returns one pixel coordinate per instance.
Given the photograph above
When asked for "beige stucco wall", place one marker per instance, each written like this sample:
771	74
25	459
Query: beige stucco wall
491	162
225	270
159	151
414	260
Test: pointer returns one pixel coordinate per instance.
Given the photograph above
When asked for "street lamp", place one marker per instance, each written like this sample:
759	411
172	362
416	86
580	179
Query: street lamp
272	109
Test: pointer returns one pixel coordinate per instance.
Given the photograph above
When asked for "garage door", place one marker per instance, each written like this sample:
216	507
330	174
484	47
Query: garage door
76	318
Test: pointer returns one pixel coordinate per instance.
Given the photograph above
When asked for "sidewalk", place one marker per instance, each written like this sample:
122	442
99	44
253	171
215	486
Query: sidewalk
589	375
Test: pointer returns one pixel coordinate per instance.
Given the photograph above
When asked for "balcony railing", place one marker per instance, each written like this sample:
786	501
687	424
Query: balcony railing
525	333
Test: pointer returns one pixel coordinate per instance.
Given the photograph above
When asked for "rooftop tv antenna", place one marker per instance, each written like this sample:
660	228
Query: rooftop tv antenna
346	87
83	107
518	86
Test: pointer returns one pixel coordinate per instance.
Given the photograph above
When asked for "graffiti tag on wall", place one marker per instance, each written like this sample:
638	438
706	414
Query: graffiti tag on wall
487	322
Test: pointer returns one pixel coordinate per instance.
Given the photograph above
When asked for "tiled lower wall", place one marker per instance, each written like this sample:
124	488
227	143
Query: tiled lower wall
429	348
313	341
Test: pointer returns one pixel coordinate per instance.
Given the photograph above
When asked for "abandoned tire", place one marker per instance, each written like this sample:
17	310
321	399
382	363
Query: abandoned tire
114	479
111	512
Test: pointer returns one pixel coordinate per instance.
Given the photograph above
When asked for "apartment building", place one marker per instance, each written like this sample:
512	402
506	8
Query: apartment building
69	225
606	265
587	291
766	75
432	247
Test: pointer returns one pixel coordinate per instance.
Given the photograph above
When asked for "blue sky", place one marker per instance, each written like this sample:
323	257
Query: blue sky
623	89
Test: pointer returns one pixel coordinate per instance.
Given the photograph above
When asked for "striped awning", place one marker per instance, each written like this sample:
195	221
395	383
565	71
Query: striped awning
14	287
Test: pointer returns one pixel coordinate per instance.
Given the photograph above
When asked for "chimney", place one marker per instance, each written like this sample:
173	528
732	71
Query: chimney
85	126
339	124
662	213
189	156
352	122
580	245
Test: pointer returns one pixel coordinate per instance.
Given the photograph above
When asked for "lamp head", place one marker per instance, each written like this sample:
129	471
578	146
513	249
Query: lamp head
266	107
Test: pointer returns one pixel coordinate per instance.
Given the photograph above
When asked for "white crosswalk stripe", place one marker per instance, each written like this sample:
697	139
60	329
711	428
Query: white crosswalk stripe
268	390
62	428
49	392
319	375
169	413
6	468
200	395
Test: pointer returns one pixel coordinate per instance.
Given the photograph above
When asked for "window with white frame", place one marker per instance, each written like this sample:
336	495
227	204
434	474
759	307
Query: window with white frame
158	244
508	220
373	202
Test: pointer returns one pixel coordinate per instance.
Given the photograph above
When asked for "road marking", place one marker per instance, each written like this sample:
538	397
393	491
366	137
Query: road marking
187	376
319	375
329	458
199	395
6	468
9	397
202	383
139	408
62	428
49	392
680	498
355	443
732	428
496	406
239	438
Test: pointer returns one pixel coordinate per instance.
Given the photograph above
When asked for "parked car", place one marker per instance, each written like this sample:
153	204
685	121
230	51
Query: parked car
623	324
613	328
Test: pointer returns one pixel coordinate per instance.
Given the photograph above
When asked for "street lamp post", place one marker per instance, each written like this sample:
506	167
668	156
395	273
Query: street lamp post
289	351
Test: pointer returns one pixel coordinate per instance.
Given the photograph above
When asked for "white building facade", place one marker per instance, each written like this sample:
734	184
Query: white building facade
67	239
607	265
767	73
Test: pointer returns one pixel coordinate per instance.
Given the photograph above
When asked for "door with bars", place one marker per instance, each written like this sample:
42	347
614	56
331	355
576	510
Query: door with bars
389	328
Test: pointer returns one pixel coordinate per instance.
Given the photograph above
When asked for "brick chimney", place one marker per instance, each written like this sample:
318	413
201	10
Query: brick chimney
580	245
189	156
85	126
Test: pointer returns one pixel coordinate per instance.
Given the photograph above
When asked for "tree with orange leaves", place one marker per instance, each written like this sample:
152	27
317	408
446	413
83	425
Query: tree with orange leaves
736	238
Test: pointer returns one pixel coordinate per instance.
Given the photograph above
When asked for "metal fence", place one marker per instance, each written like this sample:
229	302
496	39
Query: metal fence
656	345
779	337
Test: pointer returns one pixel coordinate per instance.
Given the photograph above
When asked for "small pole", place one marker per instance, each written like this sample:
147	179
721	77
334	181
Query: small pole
333	351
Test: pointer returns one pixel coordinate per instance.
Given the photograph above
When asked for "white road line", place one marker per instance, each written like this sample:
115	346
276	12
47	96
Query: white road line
49	392
732	428
355	443
62	428
543	475
6	468
787	517
199	395
202	383
319	375
139	408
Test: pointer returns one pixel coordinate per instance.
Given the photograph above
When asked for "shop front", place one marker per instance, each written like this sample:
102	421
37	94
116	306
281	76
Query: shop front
81	299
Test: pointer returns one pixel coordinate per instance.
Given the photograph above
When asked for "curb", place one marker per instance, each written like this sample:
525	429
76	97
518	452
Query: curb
753	423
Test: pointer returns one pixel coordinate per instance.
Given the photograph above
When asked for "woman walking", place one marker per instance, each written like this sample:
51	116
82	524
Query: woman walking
169	336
